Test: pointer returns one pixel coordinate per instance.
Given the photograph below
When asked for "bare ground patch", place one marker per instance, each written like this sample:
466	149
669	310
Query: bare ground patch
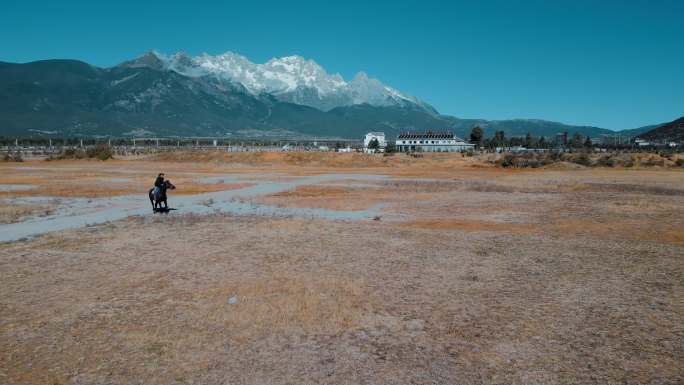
478	276
469	225
148	300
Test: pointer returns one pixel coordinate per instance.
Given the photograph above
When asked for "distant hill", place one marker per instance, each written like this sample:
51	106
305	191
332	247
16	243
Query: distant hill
673	131
148	96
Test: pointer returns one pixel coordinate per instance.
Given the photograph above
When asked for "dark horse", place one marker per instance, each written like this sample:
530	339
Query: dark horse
160	196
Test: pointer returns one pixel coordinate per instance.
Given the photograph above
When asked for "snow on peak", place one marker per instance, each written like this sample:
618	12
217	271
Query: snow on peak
289	78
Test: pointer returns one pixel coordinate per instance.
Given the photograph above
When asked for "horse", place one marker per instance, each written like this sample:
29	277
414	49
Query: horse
159	196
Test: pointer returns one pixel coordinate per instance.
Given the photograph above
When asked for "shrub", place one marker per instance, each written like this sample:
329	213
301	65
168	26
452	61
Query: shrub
606	161
101	152
652	161
583	159
13	157
506	161
680	162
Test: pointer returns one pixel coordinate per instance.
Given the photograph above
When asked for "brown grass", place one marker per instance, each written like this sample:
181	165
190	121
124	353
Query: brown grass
322	301
289	304
313	191
12	212
68	184
482	276
619	228
469	225
326	197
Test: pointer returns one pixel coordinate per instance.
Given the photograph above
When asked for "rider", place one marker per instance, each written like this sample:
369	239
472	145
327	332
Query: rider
158	182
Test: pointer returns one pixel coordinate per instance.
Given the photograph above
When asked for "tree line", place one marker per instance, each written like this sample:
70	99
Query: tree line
499	139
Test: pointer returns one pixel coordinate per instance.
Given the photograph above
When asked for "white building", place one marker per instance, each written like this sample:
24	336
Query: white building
641	142
431	141
380	136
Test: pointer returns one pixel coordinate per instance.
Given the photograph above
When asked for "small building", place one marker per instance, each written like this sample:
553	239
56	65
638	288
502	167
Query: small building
642	142
431	141
379	136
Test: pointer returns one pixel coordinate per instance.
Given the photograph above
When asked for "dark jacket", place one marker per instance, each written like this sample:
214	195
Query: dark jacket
159	181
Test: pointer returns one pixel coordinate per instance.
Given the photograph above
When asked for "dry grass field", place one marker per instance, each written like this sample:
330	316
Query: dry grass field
469	274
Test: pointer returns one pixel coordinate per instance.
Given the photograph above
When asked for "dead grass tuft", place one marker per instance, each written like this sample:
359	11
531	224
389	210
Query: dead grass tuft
12	212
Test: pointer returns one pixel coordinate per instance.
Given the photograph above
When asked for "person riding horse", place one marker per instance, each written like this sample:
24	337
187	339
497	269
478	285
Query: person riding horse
157	194
158	182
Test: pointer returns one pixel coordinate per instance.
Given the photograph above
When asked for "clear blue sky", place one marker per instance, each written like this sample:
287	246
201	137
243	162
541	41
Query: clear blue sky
614	64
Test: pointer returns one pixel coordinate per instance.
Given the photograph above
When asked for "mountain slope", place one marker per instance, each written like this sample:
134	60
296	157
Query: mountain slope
291	79
145	97
673	131
76	99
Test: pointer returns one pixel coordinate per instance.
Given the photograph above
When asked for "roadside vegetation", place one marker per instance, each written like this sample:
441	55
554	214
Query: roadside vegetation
101	152
10	156
589	159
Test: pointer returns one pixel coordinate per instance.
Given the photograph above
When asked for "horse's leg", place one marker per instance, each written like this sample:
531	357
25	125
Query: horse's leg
149	194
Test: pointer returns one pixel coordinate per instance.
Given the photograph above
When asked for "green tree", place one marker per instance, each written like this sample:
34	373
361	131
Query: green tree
500	139
577	141
390	148
374	144
477	135
588	143
541	143
528	140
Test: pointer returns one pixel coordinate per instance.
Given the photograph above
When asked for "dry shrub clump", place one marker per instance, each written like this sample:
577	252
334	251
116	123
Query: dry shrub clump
320	159
586	159
12	157
101	152
12	212
525	160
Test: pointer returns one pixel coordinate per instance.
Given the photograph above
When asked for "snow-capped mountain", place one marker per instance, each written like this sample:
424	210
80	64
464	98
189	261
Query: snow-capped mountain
155	95
291	79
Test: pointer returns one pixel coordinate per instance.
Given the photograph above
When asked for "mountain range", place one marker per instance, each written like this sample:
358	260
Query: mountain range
226	96
673	131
